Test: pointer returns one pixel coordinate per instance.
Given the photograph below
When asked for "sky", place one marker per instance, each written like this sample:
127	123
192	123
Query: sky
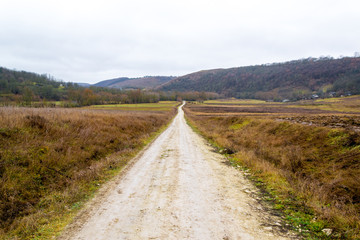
90	41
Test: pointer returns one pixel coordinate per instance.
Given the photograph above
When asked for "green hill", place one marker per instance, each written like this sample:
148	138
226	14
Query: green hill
29	86
293	80
26	88
131	83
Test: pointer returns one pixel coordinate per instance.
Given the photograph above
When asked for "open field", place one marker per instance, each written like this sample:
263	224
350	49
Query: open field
160	106
53	159
331	112
349	104
305	155
236	101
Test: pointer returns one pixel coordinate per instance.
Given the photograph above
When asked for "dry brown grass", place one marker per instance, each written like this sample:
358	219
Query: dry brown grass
318	165
51	159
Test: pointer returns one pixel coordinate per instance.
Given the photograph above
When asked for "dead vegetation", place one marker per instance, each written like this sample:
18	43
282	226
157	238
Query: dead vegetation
51	159
351	123
316	164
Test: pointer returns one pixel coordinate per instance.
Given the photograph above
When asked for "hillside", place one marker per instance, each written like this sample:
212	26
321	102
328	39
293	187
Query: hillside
32	89
142	82
293	80
28	86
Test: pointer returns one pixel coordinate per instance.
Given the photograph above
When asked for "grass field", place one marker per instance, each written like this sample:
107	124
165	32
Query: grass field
305	156
53	159
160	106
236	101
347	105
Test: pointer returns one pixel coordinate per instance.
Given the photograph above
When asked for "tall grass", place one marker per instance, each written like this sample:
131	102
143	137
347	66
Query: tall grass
50	159
319	166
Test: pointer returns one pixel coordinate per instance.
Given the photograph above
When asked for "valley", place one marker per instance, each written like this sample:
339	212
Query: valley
294	144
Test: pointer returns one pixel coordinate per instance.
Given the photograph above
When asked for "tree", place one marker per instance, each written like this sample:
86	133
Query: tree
27	96
88	97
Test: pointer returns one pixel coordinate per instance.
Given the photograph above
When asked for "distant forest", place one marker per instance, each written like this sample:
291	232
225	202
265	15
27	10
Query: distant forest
25	88
295	80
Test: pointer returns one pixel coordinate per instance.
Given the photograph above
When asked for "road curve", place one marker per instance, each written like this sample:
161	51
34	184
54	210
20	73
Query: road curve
177	189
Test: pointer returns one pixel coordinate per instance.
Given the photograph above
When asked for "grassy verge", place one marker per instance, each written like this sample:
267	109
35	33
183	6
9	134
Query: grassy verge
308	173
53	160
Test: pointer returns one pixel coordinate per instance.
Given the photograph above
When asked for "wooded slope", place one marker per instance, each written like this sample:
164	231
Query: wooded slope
293	80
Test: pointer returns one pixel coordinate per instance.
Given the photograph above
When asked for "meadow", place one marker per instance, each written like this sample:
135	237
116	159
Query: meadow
160	106
53	159
349	104
305	156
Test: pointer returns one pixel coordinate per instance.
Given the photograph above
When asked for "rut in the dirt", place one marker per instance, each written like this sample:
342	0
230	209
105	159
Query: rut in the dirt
177	189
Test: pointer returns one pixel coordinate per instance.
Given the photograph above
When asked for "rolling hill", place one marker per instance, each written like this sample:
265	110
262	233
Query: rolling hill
142	82
15	85
294	80
21	88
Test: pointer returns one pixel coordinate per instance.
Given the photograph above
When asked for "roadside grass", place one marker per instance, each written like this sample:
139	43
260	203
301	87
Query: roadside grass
52	160
310	173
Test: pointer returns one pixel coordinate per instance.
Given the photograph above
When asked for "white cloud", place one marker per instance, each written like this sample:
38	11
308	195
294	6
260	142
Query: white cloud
89	41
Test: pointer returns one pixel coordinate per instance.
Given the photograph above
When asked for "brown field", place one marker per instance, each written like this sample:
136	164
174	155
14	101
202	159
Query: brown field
52	159
306	153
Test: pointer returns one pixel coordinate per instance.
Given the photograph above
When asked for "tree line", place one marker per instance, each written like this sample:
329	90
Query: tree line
24	88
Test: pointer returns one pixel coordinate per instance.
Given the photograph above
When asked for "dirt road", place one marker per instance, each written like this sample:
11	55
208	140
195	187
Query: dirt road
177	189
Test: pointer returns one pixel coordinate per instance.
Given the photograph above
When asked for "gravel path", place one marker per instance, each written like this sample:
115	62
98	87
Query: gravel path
177	188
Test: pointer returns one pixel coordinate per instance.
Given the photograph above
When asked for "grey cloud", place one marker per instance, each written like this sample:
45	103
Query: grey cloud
89	41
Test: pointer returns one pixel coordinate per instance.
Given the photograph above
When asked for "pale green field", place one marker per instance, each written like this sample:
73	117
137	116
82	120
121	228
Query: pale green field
160	106
339	99
329	107
342	104
349	104
237	101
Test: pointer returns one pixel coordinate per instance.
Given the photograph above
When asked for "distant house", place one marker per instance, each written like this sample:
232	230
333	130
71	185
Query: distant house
286	100
315	96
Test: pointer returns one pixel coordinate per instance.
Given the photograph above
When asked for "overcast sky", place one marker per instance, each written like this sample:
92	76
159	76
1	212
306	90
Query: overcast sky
90	41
